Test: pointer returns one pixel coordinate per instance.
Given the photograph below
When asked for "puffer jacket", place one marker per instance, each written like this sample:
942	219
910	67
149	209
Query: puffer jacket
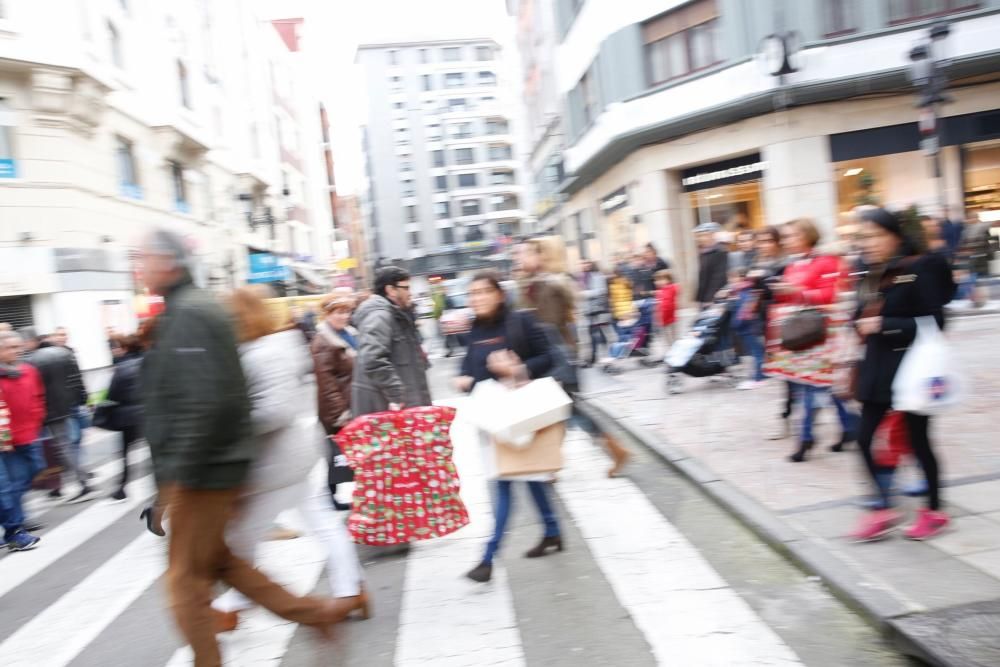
390	366
197	414
126	391
287	442
61	376
333	361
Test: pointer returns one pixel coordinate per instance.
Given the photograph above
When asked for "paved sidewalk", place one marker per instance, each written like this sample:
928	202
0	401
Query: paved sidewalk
719	437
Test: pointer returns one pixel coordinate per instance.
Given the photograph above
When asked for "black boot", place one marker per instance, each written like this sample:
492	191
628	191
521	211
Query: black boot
543	546
845	440
800	455
481	573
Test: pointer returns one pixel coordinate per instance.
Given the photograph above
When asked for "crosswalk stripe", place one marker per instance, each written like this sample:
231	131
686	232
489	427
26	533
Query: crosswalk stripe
71	534
62	630
445	618
37	504
687	612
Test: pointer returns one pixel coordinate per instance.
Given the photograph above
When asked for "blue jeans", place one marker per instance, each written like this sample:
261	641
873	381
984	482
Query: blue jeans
848	421
79	420
753	344
504	503
20	467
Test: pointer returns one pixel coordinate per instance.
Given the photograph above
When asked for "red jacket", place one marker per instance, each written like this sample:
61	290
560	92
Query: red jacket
666	304
25	398
817	276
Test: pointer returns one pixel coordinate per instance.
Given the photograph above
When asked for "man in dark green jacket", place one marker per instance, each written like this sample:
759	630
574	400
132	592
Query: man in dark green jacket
198	427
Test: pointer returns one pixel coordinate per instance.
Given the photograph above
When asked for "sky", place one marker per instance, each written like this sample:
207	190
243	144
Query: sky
333	30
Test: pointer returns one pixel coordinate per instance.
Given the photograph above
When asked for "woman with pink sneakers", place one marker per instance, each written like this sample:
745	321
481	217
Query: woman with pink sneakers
900	286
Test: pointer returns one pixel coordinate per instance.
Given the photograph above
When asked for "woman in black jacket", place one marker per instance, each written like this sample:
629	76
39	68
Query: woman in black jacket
900	286
504	344
125	392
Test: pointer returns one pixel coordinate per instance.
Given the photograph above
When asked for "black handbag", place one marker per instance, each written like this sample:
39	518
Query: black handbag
106	416
339	470
803	330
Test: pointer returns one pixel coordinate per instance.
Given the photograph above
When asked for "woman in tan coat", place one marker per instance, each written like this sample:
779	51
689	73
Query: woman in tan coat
333	350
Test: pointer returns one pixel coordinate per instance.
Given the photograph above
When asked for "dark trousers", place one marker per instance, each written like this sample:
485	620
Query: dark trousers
597	338
198	558
130	435
917	431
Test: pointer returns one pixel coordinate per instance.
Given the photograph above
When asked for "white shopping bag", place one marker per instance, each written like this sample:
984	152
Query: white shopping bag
513	414
681	351
928	380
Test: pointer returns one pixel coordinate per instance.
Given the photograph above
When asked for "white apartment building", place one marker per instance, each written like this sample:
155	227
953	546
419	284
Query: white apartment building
445	193
117	116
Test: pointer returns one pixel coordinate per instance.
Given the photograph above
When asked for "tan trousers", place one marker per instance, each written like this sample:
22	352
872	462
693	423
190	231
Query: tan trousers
199	557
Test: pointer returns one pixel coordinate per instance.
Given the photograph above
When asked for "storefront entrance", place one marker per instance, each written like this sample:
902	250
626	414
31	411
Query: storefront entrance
727	192
981	179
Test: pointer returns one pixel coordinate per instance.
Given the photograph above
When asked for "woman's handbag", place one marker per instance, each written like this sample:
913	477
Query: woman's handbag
803	330
928	381
106	416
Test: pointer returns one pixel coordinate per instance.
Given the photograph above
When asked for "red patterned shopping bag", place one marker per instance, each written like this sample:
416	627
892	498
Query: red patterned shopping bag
891	442
406	487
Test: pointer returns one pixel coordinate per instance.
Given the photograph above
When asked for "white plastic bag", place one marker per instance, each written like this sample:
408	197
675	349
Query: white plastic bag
512	415
682	350
928	381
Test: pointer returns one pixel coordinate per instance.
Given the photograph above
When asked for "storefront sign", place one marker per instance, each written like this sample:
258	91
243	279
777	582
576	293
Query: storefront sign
739	169
266	268
8	168
614	201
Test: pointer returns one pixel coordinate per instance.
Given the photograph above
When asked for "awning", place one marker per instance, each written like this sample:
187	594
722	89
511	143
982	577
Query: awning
310	276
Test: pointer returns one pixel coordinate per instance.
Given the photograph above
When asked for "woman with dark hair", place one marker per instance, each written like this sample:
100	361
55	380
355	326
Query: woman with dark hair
126	395
899	287
506	344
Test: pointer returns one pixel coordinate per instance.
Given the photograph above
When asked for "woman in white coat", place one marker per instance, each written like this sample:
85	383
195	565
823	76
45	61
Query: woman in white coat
275	364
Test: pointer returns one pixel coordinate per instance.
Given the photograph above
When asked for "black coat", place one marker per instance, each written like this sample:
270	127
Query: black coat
60	373
713	274
517	331
126	391
910	288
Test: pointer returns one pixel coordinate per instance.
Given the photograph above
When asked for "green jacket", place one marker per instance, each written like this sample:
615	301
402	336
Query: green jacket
196	407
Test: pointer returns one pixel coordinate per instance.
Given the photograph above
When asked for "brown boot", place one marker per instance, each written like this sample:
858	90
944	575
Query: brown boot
619	455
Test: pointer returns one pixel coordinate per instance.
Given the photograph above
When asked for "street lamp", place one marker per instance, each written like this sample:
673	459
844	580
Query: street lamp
927	74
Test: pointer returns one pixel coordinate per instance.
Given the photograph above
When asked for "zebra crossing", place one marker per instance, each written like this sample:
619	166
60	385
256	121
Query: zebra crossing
91	594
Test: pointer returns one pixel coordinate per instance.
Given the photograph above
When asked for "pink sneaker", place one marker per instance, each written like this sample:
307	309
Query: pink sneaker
876	525
929	523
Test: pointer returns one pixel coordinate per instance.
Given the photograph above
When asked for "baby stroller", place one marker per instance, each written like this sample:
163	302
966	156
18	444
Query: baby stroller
633	342
706	351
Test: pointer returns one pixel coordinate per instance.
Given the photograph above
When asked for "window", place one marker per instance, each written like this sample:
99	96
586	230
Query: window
501	178
474	233
839	17
460	130
440	183
451	54
456	104
115	43
487	79
497	127
484	53
185	85
433	132
124	5
425	56
505	202
464	156
441	211
589	97
414	239
398	105
402	136
448	236
500	153
410	213
470	207
468	180
393	57
8	168
437	158
902	11
396	83
682	41
454	79
128	177
405	165
180	187
426	82
407	188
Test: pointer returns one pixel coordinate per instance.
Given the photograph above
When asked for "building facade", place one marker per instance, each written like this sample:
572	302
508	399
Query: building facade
127	116
748	114
443	170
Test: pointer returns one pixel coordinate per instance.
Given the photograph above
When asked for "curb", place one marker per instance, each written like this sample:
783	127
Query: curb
849	584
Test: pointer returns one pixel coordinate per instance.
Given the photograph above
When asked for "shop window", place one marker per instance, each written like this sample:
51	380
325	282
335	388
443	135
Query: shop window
181	203
128	177
840	17
681	41
904	11
8	166
468	180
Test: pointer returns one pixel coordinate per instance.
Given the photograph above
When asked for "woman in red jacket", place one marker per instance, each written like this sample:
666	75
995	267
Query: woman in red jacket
809	279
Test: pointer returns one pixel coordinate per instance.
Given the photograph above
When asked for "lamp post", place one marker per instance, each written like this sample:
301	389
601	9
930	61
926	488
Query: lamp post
927	74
